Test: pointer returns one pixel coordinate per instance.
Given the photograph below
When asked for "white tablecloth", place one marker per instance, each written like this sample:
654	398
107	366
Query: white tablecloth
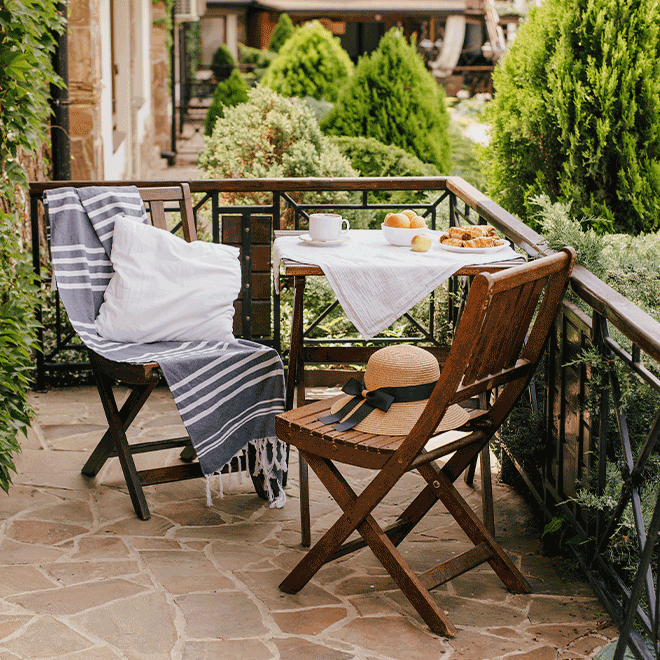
375	282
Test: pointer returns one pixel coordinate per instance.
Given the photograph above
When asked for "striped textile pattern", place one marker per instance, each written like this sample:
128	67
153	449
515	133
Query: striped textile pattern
227	394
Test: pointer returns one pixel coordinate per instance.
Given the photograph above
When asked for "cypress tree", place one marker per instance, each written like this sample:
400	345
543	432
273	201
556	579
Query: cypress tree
576	113
310	63
283	30
228	92
393	98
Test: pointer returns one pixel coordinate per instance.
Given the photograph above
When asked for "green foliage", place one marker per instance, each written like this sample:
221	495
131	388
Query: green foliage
222	62
271	137
283	30
258	59
26	46
18	297
393	98
27	29
310	63
227	93
576	114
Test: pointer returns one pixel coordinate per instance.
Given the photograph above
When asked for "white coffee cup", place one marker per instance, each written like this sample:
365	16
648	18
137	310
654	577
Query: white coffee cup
327	226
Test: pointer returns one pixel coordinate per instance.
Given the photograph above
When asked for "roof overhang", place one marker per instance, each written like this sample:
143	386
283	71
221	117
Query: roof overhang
352	7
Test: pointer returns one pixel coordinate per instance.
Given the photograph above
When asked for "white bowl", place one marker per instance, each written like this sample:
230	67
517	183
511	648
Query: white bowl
400	236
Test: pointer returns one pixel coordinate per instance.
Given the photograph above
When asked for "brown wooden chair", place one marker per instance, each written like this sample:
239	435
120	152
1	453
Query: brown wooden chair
498	344
142	379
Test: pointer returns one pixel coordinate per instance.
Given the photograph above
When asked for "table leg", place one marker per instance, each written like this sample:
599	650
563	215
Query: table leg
295	388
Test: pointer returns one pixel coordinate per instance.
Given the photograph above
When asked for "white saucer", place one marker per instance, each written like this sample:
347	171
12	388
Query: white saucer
306	238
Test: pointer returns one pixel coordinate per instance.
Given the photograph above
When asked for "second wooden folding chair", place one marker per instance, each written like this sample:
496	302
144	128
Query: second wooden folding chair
497	347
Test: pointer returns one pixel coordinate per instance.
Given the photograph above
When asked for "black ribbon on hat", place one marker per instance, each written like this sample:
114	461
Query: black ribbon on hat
382	398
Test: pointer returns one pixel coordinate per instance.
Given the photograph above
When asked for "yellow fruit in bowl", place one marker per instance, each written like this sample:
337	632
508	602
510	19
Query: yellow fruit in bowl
409	213
421	243
397	220
417	222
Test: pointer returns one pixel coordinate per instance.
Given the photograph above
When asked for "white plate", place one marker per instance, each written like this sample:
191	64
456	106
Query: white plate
469	250
306	238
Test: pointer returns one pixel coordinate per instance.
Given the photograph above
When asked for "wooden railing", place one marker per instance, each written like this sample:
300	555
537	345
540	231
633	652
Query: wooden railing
577	438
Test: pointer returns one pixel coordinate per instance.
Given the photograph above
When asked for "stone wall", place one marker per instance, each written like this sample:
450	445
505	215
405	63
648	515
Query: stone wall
84	90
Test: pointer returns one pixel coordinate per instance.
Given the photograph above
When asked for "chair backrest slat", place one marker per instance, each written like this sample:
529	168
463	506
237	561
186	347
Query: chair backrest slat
155	199
499	340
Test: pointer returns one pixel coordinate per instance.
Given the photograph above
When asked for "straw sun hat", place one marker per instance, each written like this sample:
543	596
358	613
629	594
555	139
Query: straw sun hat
397	385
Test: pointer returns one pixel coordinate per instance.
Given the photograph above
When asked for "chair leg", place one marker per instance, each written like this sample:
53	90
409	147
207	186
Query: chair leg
474	528
105	449
305	519
377	540
118	433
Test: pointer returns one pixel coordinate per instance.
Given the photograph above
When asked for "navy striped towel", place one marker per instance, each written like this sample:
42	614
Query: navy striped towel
227	394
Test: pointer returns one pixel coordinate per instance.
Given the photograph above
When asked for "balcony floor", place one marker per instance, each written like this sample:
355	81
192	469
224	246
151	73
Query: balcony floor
82	578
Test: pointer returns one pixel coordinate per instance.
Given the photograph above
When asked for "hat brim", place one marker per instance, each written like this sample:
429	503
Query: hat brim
401	417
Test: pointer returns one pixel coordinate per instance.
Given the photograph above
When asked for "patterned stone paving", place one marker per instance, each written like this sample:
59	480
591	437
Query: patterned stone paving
81	578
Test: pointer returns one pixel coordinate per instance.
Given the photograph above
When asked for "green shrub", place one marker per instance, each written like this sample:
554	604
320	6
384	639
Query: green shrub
227	93
392	97
271	137
310	63
372	158
283	30
27	41
18	297
258	59
222	63
576	114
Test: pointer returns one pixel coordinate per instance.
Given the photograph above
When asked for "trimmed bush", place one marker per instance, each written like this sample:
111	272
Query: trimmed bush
310	63
392	97
222	63
373	158
283	30
258	59
576	114
271	137
227	93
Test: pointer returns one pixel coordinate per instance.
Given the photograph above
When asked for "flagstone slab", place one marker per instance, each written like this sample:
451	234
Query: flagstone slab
12	552
133	526
244	533
552	609
309	622
226	615
227	650
72	510
96	653
184	571
230	560
193	513
75	572
21	498
9	624
473	644
540	653
393	637
301	649
76	598
264	585
142	628
46	637
560	635
21	579
61	469
42	532
96	547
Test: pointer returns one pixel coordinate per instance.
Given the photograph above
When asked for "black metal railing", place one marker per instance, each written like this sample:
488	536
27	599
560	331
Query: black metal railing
579	441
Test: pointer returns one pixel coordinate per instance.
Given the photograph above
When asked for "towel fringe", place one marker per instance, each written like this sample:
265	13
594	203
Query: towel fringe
270	459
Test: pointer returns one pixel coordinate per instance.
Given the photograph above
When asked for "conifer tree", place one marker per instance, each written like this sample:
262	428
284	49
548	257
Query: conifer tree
228	92
392	97
283	30
310	63
576	113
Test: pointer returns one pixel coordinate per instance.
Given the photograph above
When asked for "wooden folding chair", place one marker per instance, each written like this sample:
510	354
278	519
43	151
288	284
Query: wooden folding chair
142	379
498	344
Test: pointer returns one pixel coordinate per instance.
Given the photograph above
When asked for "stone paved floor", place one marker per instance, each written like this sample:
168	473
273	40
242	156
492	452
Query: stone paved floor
81	578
